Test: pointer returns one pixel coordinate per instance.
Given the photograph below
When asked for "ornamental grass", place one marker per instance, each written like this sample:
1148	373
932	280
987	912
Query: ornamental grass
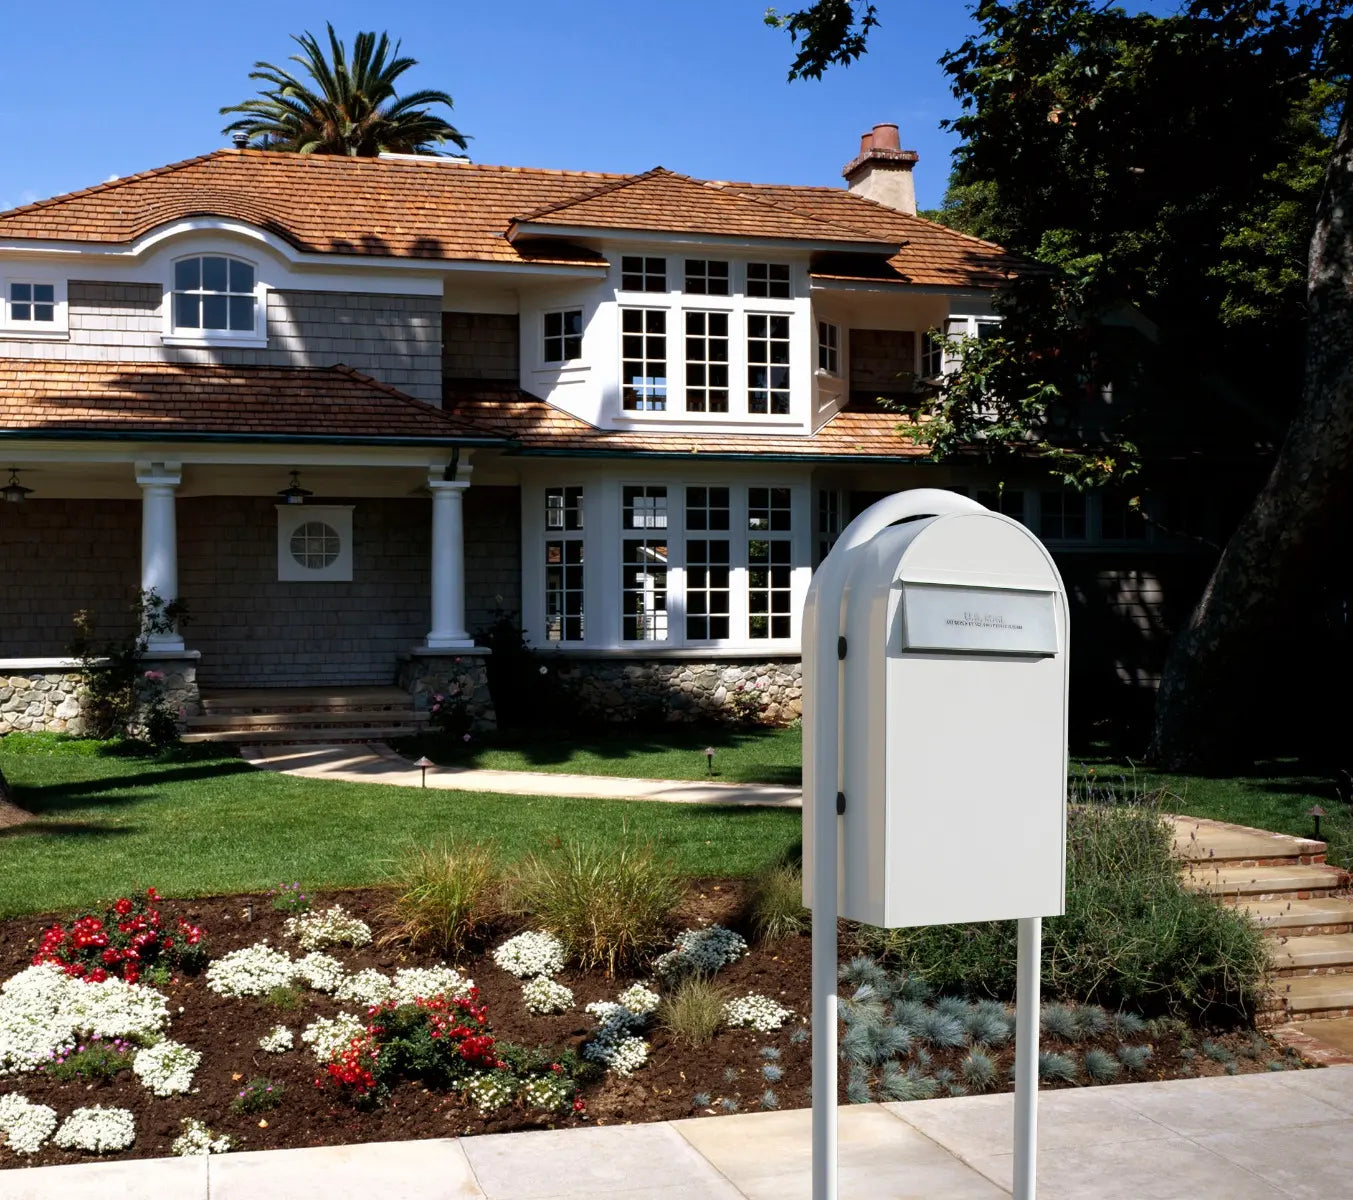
693	1011
610	904
445	897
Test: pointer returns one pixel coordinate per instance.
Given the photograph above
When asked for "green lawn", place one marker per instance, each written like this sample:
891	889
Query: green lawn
750	756
204	823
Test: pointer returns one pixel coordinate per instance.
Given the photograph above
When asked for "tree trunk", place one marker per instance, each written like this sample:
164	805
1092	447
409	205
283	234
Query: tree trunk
1291	534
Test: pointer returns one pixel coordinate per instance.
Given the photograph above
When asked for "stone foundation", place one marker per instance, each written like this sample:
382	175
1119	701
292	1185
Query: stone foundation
683	690
48	696
460	676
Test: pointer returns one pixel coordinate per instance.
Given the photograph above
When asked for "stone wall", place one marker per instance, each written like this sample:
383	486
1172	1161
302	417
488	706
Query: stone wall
57	556
52	699
481	346
683	690
460	679
394	338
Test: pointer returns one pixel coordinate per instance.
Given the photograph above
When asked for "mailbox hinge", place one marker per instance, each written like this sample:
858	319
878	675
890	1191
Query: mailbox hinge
840	803
840	647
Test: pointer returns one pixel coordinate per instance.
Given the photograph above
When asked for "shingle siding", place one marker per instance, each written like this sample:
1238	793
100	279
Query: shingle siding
481	346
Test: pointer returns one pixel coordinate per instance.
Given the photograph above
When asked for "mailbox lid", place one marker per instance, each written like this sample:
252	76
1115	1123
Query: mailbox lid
986	550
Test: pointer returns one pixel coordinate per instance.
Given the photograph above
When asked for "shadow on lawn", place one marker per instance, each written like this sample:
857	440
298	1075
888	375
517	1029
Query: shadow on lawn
46	798
64	829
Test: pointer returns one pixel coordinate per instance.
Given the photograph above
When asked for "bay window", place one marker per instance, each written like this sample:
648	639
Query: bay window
643	359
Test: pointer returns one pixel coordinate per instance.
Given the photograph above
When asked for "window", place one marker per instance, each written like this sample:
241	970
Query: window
828	521
1118	520
768	279
1009	501
564	564
643	366
314	543
708	564
769	563
564	508
987	328
643	565
32	302
706	277
213	293
707	362
639	274
828	348
932	355
564	335
1061	515
768	364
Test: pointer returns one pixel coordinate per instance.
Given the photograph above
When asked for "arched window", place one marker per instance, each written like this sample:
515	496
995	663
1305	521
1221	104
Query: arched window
213	293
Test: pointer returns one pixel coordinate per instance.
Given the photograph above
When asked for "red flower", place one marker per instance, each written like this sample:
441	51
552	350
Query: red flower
98	975
110	956
122	907
131	973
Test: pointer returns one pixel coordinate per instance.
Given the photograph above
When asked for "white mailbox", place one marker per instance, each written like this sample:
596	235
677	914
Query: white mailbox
952	723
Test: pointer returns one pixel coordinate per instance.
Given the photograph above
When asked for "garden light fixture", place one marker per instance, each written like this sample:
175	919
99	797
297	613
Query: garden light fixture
1317	812
293	493
709	760
14	491
423	764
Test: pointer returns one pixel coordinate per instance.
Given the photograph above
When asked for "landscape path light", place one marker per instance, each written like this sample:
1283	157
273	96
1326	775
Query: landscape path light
423	764
709	760
1317	812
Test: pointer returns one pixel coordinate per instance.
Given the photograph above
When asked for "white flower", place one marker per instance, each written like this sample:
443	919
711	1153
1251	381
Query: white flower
278	1040
43	1011
196	1138
544	995
327	1037
550	1092
413	983
640	1000
25	1125
490	1090
614	1043
624	1054
97	1130
530	953
757	1012
251	971
701	951
166	1068
333	927
322	972
367	987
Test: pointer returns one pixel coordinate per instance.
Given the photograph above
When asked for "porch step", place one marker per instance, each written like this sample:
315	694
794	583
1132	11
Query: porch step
305	714
1329	954
294	718
1199	841
1325	917
303	699
1314	996
301	735
1296	882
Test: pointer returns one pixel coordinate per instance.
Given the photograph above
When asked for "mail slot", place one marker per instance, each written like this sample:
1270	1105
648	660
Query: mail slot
953	706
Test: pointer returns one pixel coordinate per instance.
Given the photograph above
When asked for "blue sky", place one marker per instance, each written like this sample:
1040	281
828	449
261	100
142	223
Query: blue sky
94	89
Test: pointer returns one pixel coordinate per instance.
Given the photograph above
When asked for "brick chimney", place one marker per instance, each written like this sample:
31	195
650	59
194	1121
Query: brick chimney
882	170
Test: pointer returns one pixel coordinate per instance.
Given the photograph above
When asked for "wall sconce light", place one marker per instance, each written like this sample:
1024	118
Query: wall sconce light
294	493
14	491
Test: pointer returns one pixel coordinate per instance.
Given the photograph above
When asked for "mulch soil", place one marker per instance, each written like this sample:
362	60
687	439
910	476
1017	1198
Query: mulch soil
226	1032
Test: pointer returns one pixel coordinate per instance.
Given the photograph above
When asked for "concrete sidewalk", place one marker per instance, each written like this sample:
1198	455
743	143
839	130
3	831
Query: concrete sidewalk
379	764
1252	1137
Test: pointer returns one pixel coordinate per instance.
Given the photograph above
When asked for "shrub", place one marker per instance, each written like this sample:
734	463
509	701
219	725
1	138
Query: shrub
693	1010
608	904
1133	935
445	896
93	1059
289	898
123	940
258	1095
775	909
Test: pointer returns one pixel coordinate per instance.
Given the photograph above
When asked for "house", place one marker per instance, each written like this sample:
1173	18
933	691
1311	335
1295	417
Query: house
352	410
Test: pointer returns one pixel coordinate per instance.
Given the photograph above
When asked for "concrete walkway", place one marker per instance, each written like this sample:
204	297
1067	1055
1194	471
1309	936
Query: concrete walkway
379	764
1252	1137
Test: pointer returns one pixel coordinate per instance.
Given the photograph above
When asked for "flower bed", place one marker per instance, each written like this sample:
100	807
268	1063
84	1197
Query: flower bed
288	1047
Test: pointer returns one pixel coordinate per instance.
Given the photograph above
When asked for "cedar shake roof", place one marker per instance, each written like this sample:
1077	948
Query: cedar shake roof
861	431
51	397
440	209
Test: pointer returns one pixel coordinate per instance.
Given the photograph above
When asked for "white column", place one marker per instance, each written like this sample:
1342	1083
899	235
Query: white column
448	562
159	541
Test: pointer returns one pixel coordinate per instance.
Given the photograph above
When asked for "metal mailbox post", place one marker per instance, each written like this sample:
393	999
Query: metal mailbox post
935	707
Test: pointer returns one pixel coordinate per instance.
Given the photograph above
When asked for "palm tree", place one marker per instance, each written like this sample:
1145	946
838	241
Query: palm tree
351	108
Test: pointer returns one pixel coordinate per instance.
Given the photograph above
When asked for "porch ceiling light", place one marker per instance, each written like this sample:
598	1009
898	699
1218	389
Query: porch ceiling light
14	491
293	493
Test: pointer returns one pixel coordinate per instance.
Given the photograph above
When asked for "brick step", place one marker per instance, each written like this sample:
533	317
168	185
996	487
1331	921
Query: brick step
1330	954
302	736
1212	843
1294	882
1312	997
1329	916
297	719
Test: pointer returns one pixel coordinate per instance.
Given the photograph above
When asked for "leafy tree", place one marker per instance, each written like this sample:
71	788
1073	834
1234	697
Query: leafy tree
1165	171
348	107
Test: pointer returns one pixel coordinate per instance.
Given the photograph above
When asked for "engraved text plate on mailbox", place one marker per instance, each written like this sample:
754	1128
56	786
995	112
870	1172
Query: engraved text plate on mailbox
939	617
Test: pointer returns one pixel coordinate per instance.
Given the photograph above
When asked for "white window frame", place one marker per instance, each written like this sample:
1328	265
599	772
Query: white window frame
290	518
747	389
256	338
687	276
829	348
645	272
563	337
55	330
669	384
565	535
768	282
705	338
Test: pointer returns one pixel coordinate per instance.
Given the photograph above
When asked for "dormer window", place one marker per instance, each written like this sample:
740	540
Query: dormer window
564	335
32	302
706	277
640	274
768	280
213	294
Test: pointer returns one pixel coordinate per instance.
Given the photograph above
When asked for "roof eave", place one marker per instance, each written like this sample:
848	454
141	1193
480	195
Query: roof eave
609	233
41	433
